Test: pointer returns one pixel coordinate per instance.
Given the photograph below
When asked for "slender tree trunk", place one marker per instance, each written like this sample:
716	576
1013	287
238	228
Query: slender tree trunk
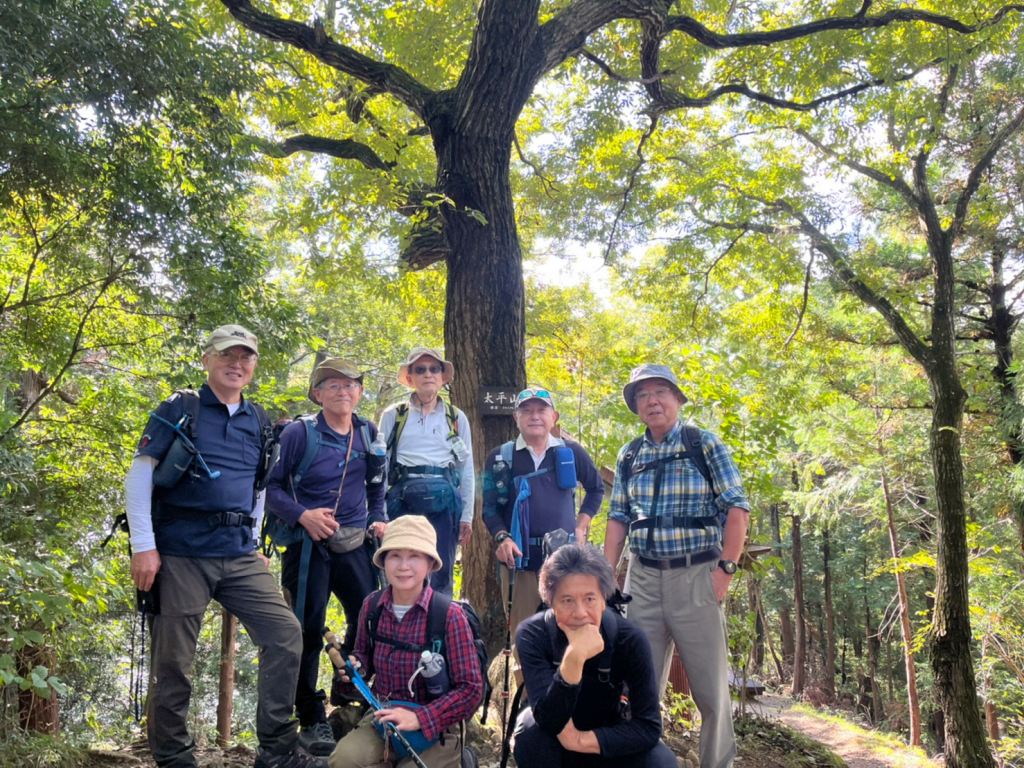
226	688
785	619
991	717
830	618
906	632
757	650
871	636
800	656
1001	325
768	640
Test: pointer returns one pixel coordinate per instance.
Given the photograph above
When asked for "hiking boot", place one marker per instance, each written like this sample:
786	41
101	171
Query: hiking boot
317	739
297	758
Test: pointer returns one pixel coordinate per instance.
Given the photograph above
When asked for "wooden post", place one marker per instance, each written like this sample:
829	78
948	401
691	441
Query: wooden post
226	689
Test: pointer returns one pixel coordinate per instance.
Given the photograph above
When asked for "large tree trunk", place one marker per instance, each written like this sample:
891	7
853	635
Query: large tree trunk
904	603
952	660
800	656
830	618
484	320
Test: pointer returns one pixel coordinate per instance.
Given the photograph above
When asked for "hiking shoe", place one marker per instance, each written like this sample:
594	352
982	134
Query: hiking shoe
297	758
317	739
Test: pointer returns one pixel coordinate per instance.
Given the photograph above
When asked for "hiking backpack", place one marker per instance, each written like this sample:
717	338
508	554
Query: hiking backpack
451	414
437	619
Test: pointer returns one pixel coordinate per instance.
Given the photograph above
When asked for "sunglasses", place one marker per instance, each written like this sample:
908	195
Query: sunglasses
533	393
419	370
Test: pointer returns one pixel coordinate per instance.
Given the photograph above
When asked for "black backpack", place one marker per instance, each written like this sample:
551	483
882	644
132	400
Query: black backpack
437	616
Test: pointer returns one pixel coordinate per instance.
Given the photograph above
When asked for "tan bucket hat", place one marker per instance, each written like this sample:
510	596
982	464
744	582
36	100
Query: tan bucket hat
409	532
447	369
333	367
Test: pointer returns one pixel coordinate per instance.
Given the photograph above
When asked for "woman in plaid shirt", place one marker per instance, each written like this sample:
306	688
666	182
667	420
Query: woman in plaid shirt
408	555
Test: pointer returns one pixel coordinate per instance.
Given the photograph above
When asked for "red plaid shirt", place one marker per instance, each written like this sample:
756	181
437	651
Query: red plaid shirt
393	667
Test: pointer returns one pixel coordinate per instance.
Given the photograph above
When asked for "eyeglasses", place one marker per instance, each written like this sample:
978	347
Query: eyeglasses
658	394
245	358
335	388
419	370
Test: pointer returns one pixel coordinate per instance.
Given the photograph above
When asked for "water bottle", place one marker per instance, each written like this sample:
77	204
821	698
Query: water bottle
460	449
378	450
435	673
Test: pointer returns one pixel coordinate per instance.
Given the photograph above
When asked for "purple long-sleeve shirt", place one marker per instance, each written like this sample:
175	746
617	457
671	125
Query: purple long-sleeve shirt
361	502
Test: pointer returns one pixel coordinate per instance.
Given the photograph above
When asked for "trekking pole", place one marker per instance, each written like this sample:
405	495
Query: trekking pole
357	680
507	652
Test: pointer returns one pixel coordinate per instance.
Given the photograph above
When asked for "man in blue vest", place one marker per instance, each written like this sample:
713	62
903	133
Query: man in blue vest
531	460
674	486
194	541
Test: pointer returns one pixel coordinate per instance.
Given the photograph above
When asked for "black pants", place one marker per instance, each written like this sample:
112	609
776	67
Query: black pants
539	749
351	577
446	525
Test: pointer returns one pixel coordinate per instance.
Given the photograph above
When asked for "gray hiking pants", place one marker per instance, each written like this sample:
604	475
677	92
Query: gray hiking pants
244	586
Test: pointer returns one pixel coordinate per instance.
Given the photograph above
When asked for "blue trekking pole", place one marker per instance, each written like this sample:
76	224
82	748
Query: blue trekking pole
357	680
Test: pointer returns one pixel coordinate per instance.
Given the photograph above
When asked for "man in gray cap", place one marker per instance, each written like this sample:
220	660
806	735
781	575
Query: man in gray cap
679	496
193	516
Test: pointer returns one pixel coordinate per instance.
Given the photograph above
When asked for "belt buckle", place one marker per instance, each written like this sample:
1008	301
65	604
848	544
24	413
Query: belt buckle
665	565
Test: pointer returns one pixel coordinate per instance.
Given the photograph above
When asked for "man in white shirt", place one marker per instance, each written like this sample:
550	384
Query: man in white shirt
430	457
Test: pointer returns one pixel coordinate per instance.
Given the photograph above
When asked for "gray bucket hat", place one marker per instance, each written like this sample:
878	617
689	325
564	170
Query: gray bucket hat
649	371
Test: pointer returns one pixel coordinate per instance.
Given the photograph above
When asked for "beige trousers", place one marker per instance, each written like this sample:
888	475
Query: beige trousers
679	607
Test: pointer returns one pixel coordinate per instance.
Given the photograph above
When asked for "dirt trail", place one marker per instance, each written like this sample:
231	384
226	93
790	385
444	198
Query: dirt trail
857	747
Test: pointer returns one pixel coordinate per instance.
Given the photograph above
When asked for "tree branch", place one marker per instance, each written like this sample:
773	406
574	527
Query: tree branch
76	347
861	21
316	42
893	182
630	184
803	305
343	149
974	178
546	183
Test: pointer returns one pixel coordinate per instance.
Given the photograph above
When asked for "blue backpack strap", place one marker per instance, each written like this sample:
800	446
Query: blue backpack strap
364	433
310	453
300	597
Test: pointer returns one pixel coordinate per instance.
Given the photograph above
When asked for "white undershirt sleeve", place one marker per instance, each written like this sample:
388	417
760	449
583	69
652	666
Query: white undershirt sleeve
138	501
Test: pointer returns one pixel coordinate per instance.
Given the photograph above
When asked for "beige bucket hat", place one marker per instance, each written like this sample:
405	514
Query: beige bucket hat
409	532
447	369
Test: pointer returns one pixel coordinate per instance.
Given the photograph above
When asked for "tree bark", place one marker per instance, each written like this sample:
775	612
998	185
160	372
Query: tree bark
785	619
226	687
877	712
830	619
800	655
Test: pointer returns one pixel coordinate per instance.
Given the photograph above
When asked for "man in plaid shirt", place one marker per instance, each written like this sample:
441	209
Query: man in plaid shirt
686	536
408	554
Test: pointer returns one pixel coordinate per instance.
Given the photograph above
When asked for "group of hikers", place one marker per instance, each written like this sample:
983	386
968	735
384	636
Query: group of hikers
212	481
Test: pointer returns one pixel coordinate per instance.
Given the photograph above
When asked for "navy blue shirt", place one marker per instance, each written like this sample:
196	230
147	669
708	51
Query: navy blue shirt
230	445
361	502
551	507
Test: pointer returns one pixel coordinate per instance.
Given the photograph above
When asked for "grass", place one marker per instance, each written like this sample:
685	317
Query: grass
886	746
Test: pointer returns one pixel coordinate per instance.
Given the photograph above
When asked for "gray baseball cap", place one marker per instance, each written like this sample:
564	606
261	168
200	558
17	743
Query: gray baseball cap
228	336
649	371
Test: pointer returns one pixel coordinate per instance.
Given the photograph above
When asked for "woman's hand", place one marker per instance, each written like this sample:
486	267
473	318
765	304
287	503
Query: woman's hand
403	719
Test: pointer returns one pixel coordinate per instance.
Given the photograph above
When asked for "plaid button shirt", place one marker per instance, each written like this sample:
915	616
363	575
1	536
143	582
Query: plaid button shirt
393	667
684	493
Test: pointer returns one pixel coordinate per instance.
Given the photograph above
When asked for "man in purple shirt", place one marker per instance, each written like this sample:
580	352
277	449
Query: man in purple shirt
337	498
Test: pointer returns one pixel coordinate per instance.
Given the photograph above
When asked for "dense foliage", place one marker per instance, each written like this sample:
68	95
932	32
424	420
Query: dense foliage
779	258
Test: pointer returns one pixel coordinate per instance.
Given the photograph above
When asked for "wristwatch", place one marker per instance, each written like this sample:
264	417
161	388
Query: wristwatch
501	537
729	566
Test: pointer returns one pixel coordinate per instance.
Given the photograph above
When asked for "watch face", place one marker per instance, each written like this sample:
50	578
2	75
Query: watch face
728	566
